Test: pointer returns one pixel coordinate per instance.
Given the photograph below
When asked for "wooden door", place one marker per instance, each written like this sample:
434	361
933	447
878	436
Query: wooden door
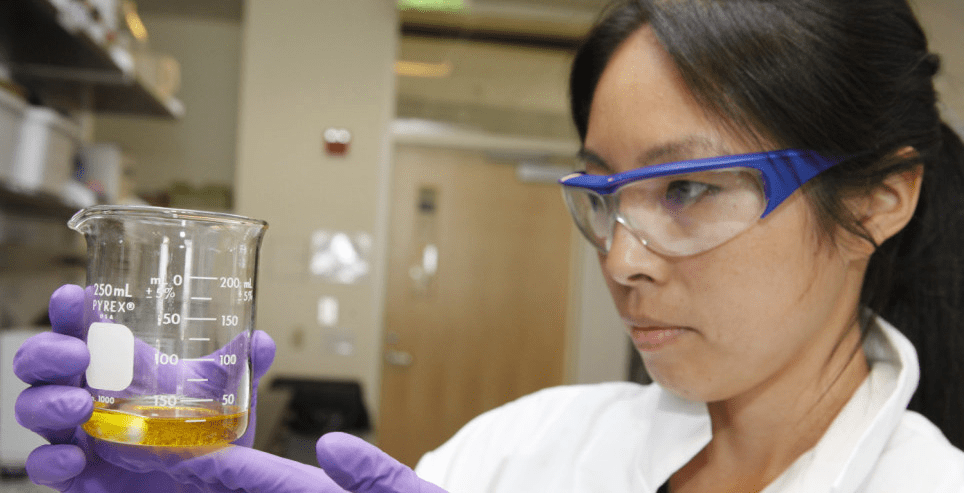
489	325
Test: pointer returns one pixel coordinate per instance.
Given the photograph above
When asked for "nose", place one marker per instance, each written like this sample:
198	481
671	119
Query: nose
630	261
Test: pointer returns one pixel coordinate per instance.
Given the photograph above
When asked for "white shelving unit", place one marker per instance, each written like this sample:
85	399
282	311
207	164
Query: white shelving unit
77	69
73	67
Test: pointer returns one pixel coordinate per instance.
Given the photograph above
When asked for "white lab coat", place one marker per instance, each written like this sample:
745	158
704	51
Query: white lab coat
624	437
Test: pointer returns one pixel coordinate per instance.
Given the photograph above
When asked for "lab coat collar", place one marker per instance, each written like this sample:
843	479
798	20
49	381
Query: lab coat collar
679	430
843	458
885	393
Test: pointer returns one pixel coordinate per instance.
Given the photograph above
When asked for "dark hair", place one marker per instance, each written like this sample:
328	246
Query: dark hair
849	78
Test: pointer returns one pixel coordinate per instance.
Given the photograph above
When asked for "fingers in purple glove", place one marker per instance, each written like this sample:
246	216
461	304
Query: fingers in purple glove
52	408
51	358
360	467
262	354
67	310
144	459
53	465
240	469
67	468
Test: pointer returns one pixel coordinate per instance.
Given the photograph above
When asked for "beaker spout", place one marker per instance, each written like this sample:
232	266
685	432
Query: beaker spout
80	222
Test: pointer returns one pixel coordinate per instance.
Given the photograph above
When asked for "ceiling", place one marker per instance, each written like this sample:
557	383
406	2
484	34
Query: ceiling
231	9
547	23
219	9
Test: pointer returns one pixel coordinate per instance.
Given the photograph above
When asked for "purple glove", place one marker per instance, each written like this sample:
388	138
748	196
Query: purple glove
359	467
55	407
349	464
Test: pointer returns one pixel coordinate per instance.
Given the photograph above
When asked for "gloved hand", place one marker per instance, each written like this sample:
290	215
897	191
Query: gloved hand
55	407
349	464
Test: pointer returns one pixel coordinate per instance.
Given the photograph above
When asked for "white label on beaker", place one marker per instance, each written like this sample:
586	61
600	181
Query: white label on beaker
111	356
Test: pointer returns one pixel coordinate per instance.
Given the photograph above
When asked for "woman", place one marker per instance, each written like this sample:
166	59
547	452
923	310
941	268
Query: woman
779	324
770	187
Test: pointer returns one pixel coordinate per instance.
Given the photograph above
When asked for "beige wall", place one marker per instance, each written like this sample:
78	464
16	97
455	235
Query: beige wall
509	90
943	20
598	345
499	76
200	147
308	65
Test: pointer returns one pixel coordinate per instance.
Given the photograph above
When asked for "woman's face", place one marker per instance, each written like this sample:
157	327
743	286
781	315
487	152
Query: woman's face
772	302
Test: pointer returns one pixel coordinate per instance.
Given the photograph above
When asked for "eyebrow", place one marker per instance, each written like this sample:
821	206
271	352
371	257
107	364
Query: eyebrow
689	147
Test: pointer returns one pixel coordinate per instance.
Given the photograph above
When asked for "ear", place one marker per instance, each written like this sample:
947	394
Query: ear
886	209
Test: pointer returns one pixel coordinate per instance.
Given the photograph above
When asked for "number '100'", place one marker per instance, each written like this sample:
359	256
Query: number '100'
165	359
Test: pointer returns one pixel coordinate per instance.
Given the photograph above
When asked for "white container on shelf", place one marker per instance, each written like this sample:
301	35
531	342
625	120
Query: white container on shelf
103	169
45	154
109	11
12	109
73	16
105	20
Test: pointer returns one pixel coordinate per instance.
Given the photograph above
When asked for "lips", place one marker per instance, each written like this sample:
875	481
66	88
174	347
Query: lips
651	335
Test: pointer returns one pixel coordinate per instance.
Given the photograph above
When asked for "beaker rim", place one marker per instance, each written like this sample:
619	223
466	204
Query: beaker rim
135	211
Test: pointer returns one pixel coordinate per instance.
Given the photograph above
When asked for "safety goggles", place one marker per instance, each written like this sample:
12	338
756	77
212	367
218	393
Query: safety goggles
687	207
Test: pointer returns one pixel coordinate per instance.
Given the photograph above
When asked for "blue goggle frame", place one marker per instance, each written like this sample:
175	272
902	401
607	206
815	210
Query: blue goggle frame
783	172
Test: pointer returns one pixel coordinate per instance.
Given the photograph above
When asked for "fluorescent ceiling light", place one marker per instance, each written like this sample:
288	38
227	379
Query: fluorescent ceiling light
133	20
421	69
449	5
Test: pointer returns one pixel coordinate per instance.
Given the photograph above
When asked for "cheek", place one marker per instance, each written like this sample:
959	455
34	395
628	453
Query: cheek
770	269
752	301
748	286
744	318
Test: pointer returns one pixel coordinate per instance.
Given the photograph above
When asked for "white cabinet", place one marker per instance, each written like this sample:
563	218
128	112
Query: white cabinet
16	442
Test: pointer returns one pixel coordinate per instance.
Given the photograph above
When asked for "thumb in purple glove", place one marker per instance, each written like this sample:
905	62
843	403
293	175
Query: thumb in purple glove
360	467
349	464
244	470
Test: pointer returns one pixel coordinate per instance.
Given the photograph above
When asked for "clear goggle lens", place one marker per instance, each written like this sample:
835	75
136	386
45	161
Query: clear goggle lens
674	215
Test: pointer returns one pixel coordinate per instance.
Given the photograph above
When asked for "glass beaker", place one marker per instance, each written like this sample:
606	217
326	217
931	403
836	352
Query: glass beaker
169	311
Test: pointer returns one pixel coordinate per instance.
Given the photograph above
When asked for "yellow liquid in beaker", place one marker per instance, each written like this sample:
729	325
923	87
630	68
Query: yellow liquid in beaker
166	426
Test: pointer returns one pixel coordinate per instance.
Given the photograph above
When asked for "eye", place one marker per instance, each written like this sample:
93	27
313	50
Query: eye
682	193
597	203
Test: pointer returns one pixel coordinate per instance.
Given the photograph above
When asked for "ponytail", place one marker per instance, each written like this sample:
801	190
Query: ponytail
923	266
